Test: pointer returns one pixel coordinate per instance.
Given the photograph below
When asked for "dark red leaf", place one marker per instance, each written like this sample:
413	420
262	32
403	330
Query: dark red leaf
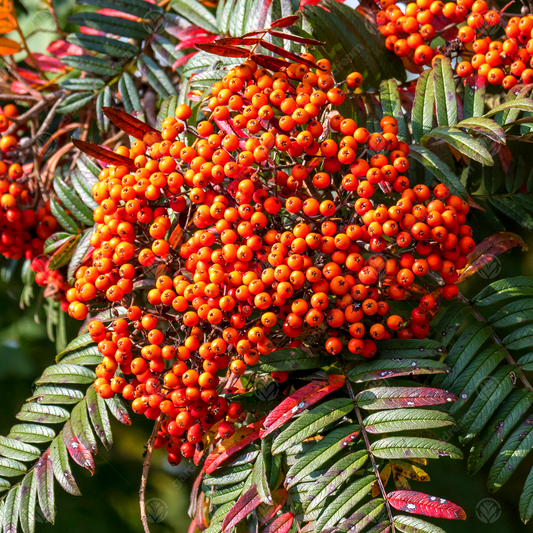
295	38
107	156
79	453
400	397
269	62
280	499
488	249
254	33
237	40
243	507
289	55
410	501
282	524
285	22
300	400
128	124
223	50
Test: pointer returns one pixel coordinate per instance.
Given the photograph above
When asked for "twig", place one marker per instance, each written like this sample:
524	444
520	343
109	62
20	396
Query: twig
367	444
146	469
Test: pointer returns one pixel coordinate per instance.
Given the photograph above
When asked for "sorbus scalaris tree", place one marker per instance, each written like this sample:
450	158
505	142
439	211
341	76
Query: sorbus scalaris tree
282	207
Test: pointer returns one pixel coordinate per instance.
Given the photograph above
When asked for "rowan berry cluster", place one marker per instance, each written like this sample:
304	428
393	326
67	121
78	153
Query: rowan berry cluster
283	218
23	229
502	58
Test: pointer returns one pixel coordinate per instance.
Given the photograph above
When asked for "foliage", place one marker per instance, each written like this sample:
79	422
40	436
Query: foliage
321	450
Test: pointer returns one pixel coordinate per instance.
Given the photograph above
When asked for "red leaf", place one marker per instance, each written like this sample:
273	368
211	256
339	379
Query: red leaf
285	22
488	249
280	499
119	14
223	50
183	60
194	40
300	400
79	453
238	40
410	501
295	38
45	63
243	507
249	434
282	524
107	156
269	62
61	48
289	55
401	397
131	125
92	31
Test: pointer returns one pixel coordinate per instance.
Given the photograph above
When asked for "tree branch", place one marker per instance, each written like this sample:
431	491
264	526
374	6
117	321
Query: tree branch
146	468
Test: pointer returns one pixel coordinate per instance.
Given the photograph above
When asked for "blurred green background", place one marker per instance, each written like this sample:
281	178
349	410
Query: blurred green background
110	497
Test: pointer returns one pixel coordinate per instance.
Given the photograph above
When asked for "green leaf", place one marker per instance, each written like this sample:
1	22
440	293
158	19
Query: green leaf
11	510
11	468
345	30
464	350
118	410
84	357
89	170
498	427
406	348
512	314
79	342
196	13
238	18
410	524
66	373
334	442
75	101
490	397
417	447
82	84
259	477
139	8
116	25
520	104
474	100
97	409
55	241
165	52
518	339
364	516
406	419
391	105
72	202
438	168
292	359
61	466
335	477
103	45
83	246
445	96
513	211
346	500
33	433
167	109
462	142
28	501
515	449
386	369
484	126
310	422
83	188
56	395
526	499
44	476
504	289
422	114
62	256
14	449
228	476
156	77
81	427
103	100
43	414
129	94
450	321
65	221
